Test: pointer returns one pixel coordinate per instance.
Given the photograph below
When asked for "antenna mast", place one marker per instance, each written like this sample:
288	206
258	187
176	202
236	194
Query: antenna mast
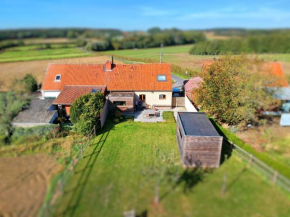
161	53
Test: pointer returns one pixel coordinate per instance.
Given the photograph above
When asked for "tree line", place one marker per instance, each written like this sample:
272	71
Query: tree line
262	43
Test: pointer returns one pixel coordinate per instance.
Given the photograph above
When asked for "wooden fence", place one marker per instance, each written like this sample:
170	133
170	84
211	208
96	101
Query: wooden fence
178	101
274	176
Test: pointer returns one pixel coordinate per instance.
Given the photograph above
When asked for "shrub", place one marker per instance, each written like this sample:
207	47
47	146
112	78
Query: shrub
85	112
30	83
116	120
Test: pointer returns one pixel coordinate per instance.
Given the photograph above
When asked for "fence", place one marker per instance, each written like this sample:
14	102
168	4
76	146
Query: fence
57	186
274	176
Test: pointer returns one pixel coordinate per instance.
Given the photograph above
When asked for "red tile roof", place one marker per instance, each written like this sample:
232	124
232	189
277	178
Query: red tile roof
70	93
123	77
274	69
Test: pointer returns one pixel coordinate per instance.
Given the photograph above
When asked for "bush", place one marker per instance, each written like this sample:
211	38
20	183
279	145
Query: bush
3	140
30	83
85	112
116	120
47	131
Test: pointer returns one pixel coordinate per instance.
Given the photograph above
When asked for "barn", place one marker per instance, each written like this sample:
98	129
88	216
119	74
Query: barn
199	143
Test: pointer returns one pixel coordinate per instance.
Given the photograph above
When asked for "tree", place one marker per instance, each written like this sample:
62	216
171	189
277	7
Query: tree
234	89
85	112
30	83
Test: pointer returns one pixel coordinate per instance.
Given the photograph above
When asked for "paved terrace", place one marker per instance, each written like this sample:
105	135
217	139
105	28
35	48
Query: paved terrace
140	116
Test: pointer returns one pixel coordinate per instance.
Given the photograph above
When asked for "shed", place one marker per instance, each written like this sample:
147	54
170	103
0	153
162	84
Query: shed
122	101
199	143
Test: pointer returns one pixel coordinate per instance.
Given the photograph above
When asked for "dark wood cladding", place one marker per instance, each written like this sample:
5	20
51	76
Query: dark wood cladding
127	97
198	150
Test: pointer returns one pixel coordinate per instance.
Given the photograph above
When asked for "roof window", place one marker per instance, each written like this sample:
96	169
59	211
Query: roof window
57	78
161	77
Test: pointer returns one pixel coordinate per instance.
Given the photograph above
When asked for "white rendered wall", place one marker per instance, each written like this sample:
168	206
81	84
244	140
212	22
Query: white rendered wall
50	94
152	98
188	105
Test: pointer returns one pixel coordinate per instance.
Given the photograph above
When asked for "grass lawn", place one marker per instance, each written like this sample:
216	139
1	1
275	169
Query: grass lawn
28	55
126	162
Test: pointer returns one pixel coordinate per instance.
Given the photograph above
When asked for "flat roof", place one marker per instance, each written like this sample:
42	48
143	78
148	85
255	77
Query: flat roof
197	124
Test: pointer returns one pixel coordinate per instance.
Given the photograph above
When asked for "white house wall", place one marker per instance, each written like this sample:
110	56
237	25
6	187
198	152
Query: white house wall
152	98
50	94
188	105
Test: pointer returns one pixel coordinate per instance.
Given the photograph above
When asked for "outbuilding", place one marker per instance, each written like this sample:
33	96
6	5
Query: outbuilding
199	143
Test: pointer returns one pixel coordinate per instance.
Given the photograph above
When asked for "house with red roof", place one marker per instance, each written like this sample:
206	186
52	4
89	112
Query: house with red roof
122	84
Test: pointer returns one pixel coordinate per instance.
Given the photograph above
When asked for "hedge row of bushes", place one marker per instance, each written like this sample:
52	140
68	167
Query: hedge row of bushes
274	43
280	167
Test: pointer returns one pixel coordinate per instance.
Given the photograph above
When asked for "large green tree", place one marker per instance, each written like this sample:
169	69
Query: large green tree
85	112
234	89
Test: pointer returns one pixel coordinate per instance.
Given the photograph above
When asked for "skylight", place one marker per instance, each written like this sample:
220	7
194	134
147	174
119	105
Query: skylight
57	78
161	77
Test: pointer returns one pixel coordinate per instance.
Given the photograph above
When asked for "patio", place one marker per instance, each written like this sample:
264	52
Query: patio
146	115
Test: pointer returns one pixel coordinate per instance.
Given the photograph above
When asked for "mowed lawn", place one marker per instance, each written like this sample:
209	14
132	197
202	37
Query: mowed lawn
28	55
126	162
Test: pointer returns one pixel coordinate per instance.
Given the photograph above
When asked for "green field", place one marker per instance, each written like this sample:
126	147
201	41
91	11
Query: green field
28	55
126	162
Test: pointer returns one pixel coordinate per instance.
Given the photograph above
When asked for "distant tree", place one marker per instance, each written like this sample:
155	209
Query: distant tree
71	34
85	112
234	89
154	30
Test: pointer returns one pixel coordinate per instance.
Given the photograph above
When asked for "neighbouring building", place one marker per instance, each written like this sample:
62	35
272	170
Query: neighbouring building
191	85
122	84
199	143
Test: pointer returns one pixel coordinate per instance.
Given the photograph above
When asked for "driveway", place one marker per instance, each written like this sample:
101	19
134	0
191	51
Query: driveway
178	82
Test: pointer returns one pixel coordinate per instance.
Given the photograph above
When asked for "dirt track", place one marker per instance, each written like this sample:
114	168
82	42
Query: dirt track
23	184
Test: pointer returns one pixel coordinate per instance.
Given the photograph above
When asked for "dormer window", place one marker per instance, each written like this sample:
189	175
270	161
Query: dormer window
161	77
57	78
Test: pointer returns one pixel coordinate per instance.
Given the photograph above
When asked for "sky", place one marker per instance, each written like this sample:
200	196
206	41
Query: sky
140	15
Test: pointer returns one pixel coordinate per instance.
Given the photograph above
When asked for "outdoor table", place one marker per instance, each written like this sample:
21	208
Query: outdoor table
152	113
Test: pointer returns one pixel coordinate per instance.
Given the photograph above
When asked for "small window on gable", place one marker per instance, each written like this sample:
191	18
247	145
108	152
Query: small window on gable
57	78
161	77
162	96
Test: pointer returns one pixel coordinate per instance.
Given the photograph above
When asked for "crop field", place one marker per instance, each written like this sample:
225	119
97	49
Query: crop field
17	70
179	55
130	165
28	55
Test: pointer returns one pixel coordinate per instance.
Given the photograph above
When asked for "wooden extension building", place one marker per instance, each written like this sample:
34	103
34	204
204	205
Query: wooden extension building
122	101
199	143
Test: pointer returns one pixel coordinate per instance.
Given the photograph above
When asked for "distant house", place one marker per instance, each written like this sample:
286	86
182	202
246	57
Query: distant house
190	85
150	83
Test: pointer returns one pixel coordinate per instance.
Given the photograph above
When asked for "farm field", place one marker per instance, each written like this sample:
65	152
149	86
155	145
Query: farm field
17	70
126	162
28	55
179	55
174	54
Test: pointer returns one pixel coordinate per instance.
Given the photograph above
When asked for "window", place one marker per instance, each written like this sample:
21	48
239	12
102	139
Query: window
162	96
57	78
142	97
119	103
161	77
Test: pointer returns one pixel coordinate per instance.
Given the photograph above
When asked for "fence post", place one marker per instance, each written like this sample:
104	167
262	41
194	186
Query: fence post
275	177
82	150
251	160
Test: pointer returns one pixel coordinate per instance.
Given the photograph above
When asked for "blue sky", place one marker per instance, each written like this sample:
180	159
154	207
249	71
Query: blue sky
141	15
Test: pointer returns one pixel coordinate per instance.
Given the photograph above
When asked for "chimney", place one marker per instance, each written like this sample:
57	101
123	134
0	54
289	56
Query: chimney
108	66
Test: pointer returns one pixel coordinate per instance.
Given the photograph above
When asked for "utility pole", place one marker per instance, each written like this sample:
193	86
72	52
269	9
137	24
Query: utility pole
161	53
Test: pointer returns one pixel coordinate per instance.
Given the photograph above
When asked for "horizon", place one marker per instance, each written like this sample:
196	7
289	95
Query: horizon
129	15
